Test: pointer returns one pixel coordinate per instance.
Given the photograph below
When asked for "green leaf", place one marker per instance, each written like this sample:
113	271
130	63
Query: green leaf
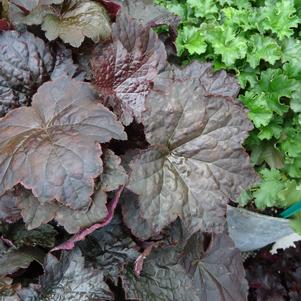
246	76
203	8
262	48
274	129
259	111
295	223
290	142
81	19
227	43
268	153
267	193
190	38
291	194
280	17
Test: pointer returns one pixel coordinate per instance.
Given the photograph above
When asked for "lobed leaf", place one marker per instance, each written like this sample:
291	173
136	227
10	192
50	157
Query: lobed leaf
130	63
51	147
195	163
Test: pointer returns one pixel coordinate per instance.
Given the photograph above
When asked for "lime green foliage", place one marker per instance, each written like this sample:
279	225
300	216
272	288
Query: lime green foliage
260	42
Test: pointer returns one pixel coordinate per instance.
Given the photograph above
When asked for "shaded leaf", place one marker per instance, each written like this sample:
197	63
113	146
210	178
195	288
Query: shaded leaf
130	63
70	243
51	148
43	236
111	248
192	274
12	260
69	279
196	162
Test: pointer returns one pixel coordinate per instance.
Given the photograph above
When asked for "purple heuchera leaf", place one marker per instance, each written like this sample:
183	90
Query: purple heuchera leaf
71	279
130	63
52	147
70	243
195	163
192	273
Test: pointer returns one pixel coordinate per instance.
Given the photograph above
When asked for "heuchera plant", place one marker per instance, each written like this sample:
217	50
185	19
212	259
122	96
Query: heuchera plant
116	185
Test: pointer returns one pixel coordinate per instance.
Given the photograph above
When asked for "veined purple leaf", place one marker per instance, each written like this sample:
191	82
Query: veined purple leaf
52	147
195	163
71	279
130	64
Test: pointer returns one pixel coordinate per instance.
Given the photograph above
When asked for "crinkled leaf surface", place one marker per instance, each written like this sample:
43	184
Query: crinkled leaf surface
80	19
35	213
51	147
192	274
279	17
111	248
130	63
69	279
25	63
196	162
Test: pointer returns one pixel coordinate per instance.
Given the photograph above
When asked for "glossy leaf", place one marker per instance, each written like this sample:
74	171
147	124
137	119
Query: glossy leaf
69	279
196	162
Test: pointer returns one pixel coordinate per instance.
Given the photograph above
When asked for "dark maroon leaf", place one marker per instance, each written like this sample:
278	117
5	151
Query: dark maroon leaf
194	273
51	147
131	62
196	162
4	25
111	7
69	279
111	248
